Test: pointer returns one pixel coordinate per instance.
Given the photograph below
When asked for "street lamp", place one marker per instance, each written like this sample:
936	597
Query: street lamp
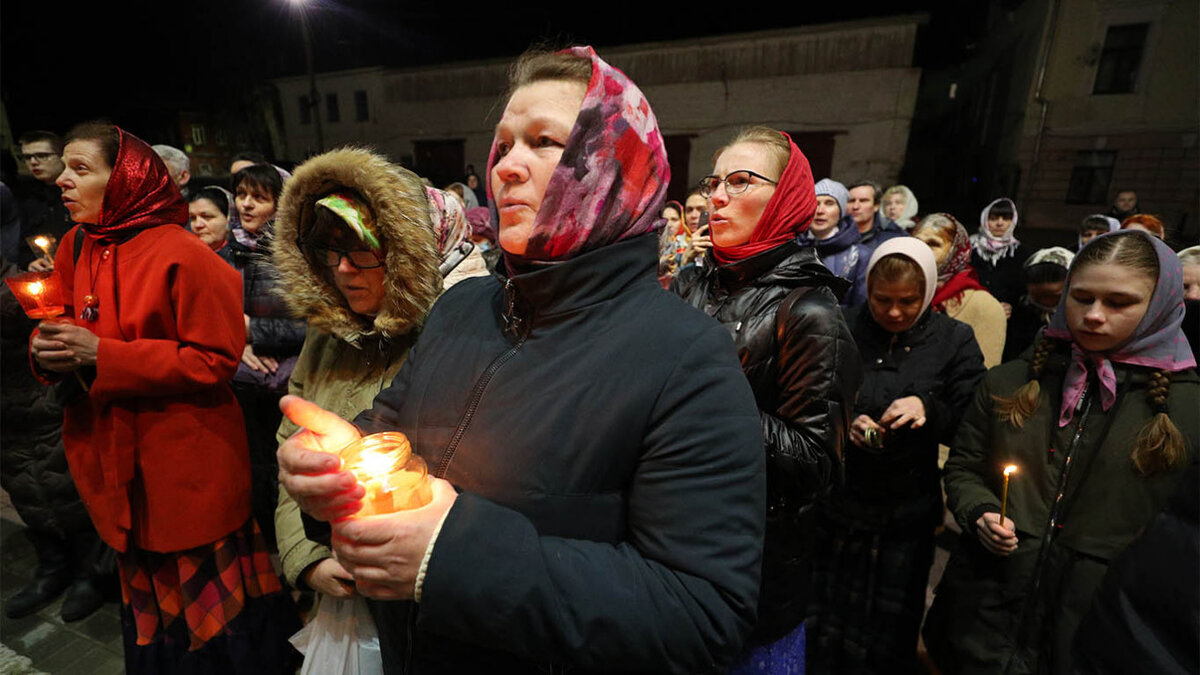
314	100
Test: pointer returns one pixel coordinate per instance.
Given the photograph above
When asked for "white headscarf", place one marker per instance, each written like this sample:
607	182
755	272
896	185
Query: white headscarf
992	248
915	250
910	208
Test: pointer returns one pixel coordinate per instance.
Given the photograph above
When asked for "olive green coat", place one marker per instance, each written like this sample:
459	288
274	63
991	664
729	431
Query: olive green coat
990	610
348	358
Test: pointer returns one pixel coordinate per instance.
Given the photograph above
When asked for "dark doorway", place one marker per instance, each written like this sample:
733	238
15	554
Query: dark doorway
817	146
679	154
439	161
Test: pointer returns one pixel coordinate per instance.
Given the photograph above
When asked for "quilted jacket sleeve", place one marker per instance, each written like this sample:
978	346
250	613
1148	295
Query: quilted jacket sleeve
819	373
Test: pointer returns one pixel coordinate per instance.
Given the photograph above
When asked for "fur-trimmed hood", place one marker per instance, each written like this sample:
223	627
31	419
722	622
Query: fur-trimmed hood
397	198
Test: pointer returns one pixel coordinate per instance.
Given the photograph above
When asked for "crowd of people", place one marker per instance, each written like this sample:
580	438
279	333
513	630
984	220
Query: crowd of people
722	434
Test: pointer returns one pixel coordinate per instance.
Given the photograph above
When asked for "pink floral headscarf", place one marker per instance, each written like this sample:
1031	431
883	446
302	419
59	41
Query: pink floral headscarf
611	182
1158	342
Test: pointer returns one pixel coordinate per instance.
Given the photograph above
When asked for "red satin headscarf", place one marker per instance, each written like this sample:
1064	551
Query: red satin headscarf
140	192
788	213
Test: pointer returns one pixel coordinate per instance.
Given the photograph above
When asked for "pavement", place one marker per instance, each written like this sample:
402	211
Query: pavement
91	646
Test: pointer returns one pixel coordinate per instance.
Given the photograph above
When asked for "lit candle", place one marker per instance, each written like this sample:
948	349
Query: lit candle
43	242
1008	471
389	472
35	289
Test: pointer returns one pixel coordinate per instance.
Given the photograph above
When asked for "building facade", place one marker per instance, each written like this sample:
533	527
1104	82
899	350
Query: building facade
845	91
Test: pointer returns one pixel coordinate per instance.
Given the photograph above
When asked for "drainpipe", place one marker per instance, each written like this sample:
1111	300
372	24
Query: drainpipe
1040	98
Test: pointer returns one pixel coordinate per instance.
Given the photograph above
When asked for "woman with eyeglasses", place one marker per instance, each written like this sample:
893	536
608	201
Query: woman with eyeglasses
359	259
780	304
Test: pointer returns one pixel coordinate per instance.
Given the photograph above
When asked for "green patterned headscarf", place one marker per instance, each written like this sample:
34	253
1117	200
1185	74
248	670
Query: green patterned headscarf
355	214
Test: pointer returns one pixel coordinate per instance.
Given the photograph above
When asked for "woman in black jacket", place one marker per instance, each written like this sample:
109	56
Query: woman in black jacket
876	530
273	337
781	306
601	438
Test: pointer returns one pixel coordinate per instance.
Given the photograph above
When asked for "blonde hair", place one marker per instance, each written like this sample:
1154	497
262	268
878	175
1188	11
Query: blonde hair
1159	445
777	145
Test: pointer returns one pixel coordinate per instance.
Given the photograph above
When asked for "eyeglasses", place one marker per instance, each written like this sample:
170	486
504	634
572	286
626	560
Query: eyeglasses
38	156
332	257
736	182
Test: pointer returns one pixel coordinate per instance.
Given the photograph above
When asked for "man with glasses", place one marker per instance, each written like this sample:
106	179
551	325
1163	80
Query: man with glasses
42	210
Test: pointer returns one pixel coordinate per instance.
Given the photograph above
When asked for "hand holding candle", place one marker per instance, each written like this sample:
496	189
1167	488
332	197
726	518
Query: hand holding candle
308	468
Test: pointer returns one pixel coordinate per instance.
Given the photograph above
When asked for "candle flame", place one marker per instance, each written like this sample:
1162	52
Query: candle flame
35	288
373	464
42	242
1010	469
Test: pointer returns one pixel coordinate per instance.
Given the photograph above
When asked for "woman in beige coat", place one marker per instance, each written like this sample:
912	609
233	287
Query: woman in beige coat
959	294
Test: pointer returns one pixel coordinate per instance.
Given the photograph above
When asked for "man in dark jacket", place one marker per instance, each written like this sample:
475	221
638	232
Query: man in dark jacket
863	205
42	210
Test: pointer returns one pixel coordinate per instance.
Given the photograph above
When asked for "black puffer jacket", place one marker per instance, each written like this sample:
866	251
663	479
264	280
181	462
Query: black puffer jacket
33	466
273	331
781	307
611	468
938	361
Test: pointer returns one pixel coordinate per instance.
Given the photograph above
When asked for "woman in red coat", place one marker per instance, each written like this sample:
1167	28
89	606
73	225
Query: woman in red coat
155	444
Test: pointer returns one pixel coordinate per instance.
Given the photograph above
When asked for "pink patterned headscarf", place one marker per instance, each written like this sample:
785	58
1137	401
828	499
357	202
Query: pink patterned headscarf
1158	342
611	182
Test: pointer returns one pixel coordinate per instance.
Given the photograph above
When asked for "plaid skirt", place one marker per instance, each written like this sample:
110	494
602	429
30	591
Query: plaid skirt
219	607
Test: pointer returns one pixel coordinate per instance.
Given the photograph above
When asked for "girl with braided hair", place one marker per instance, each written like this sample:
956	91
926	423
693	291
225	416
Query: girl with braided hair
1086	419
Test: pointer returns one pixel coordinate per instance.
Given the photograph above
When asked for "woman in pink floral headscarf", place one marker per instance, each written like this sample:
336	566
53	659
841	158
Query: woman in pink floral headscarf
597	460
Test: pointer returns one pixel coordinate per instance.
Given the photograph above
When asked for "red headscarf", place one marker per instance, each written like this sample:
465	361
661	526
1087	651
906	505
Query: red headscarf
789	212
140	192
955	274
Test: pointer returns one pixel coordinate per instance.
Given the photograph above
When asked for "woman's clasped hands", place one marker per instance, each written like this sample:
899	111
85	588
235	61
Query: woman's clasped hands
383	553
61	346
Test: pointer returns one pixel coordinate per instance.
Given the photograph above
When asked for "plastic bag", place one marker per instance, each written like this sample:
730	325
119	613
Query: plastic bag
341	640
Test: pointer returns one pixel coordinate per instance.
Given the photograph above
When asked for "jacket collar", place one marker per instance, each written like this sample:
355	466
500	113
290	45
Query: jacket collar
790	264
587	279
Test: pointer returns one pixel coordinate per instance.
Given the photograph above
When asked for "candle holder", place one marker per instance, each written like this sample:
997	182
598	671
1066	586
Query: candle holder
395	479
40	294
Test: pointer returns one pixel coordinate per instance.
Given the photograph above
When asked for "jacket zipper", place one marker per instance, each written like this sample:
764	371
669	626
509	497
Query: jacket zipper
1081	411
512	323
473	404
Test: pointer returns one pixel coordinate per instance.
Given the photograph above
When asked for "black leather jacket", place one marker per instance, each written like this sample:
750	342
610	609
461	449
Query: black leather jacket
781	307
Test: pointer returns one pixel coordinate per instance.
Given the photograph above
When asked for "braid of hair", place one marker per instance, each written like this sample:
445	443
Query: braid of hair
1159	445
1021	405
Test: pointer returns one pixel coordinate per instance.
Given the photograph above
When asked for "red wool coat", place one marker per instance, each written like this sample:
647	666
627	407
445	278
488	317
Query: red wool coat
157	447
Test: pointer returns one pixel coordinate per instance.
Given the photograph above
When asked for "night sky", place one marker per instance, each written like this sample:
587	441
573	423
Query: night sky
136	67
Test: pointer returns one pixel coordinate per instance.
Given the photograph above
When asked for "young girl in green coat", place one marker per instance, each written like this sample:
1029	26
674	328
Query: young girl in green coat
1087	423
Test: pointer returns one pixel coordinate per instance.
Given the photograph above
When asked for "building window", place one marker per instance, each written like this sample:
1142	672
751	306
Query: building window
197	134
222	139
305	111
1091	176
361	112
1120	59
331	108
